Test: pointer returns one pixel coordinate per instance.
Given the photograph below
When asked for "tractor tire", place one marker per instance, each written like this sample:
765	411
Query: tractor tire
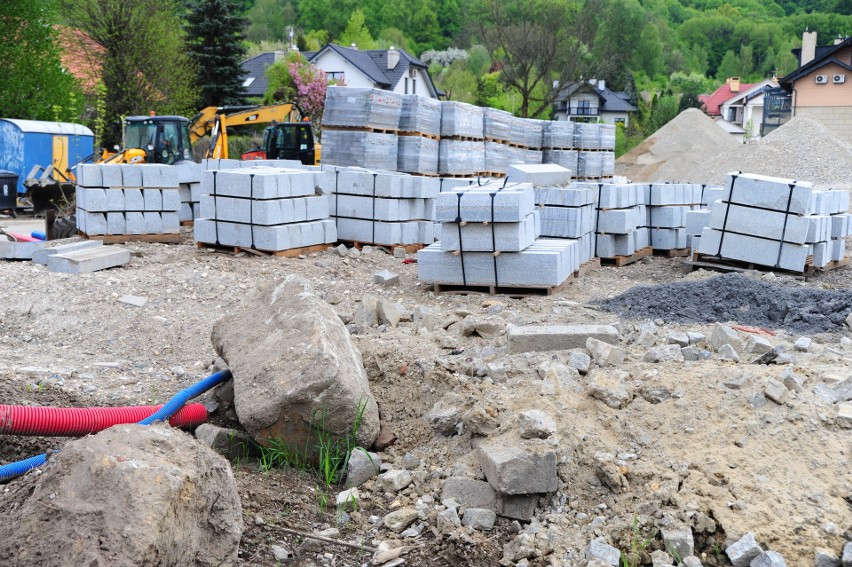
65	227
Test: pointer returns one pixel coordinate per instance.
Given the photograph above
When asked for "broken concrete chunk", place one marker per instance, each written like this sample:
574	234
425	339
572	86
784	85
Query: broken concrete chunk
695	338
678	541
519	507
446	414
536	424
389	313
692	353
470	493
728	352
481	519
396	480
825	558
678	338
362	466
758	344
400	519
743	551
607	388
775	391
603	353
528	469
448	520
602	551
133	300
847	555
724	335
768	559
580	361
385	277
229	443
802	344
665	353
543	338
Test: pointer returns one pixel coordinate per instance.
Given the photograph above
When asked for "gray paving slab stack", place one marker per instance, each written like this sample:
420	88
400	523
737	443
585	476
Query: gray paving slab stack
420	115
381	207
621	219
128	199
667	206
568	211
461	157
417	154
777	223
489	236
558	135
357	107
270	209
461	120
189	189
360	148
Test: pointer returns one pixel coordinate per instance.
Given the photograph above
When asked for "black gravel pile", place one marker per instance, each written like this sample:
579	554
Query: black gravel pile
734	297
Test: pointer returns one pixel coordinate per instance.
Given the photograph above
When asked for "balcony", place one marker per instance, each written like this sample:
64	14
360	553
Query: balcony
583	111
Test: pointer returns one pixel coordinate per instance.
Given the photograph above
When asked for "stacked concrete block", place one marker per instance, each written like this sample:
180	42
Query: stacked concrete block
497	157
420	115
569	212
264	208
668	206
461	120
461	157
497	125
589	164
385	208
189	188
417	154
777	223
566	158
355	107
127	199
587	136
360	149
621	220
558	135
607	136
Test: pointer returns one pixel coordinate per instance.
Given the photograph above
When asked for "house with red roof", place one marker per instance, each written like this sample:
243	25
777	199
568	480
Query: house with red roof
713	103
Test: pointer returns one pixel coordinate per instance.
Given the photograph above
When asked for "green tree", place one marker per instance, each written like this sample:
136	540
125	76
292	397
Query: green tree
268	20
214	45
357	33
145	66
33	84
426	31
648	55
729	67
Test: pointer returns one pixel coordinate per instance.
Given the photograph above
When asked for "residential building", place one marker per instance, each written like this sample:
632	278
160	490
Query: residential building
822	85
742	114
591	101
387	69
712	104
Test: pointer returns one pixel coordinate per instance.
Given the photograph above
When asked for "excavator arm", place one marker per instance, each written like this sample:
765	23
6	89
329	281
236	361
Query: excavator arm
214	121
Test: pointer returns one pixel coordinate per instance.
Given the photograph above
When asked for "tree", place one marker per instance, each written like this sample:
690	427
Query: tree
214	42
144	66
729	67
268	20
536	42
295	80
356	32
33	84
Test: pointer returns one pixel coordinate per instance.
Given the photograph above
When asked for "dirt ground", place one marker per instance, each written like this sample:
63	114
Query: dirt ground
697	443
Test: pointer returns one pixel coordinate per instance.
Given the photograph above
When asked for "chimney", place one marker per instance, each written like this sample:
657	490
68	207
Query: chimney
601	84
809	44
279	55
353	46
734	84
393	58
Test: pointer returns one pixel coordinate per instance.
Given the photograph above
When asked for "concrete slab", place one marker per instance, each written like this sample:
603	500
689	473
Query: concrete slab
536	338
89	260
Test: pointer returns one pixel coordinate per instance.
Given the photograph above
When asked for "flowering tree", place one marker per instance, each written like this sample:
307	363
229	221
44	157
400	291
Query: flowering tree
296	80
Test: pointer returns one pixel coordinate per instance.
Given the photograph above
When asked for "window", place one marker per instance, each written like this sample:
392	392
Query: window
406	85
248	82
413	86
335	75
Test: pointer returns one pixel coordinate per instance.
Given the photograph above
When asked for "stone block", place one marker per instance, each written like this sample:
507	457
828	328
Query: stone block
519	507
527	469
89	260
825	558
19	250
116	223
727	352
536	424
362	466
847	550
153	200
743	551
470	493
768	559
603	353
678	338
385	277
758	344
544	338
600	550
678	541
693	353
133	200
539	174
396	480
41	255
776	391
769	193
724	335
664	353
229	443
481	519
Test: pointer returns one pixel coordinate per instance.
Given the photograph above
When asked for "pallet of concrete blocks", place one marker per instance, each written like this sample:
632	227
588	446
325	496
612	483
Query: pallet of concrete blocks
589	164
361	108
420	115
128	202
497	157
461	120
526	132
189	188
566	158
267	209
461	157
497	125
776	223
587	136
358	148
667	210
698	219
381	207
215	164
489	218
621	220
419	131
607	134
557	135
569	212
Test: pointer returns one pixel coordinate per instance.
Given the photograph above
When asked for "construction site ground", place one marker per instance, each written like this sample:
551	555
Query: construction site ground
698	443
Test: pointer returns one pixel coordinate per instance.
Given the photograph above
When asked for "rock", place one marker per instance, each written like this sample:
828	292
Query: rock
396	480
485	327
385	439
825	558
691	561
140	495
362	466
695	338
427	318
410	462
448	520
341	251
802	344
367	314
229	443
133	300
399	252
646	339
470	493
660	558
678	542
293	360
743	551
579	361
520	507
758	344
692	353
536	424
792	381
846	560
386	278
279	552
602	551
664	353
768	559
648	327
724	335
446	414
528	469
604	354
678	338
849	320
541	338
842	390
347	500
728	352
607	388
775	391
844	414
521	547
481	519
400	519
389	313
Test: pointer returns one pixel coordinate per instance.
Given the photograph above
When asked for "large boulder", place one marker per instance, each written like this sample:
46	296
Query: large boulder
129	495
295	367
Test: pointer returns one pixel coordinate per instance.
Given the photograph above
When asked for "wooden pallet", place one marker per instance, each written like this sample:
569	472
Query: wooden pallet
420	135
122	238
511	291
291	253
496	174
676	253
463	138
620	261
360	129
187	223
586	267
707	262
409	248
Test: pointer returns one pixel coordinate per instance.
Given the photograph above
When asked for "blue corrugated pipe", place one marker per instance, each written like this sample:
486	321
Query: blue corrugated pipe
12	470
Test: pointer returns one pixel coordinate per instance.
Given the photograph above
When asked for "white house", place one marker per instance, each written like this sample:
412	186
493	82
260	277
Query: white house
742	114
591	101
387	69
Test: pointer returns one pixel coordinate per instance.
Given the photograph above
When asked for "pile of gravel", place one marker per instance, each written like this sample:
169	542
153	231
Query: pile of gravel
738	298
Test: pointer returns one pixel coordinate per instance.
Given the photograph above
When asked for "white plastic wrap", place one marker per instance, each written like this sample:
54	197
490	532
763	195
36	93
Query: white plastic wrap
461	120
360	149
362	108
558	135
420	114
417	154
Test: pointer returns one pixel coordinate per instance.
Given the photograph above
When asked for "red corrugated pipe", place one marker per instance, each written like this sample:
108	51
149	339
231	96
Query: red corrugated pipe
74	422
